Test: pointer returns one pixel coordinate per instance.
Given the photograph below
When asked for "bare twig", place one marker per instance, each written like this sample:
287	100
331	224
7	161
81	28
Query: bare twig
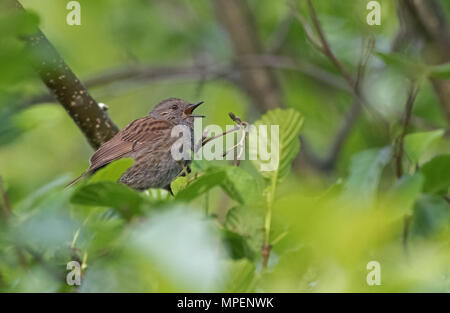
234	118
406	119
423	23
261	84
326	47
7	210
144	74
279	36
406	225
350	119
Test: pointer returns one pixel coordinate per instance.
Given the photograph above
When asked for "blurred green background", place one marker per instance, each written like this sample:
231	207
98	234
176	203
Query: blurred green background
327	224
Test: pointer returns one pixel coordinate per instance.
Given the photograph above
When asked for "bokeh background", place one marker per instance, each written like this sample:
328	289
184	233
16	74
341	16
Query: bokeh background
341	204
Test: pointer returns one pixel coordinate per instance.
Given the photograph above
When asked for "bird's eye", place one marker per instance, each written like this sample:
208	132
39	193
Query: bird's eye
174	107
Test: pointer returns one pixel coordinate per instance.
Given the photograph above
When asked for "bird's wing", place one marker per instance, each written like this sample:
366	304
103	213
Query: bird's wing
130	139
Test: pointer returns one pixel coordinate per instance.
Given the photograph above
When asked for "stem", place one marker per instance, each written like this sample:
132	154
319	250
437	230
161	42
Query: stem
270	198
5	200
400	140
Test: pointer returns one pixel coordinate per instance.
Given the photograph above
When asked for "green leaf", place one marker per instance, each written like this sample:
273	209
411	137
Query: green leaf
365	172
127	201
437	174
35	199
410	67
431	215
289	123
237	245
246	223
440	71
212	177
178	184
416	144
403	195
112	171
240	185
157	194
241	277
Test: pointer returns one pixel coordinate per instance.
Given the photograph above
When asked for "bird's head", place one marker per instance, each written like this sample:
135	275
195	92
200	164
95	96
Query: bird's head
177	111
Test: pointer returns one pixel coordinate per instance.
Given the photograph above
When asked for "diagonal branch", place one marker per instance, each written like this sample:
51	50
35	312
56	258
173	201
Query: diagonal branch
423	21
406	120
325	47
261	84
91	119
321	43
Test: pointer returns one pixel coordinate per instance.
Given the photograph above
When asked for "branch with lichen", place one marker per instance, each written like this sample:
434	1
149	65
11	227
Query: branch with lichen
88	115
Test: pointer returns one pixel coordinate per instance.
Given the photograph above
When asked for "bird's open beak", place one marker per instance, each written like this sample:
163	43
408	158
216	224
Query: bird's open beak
191	109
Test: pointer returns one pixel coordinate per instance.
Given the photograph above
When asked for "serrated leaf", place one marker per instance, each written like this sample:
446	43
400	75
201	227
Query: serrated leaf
237	245
244	222
437	174
416	144
288	144
365	172
112	171
240	185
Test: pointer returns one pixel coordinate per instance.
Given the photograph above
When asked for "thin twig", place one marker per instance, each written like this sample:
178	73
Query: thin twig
406	225
350	119
279	36
5	200
326	47
144	74
406	119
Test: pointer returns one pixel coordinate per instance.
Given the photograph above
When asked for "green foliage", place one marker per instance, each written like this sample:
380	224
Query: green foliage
125	200
417	144
209	235
404	194
431	216
365	172
410	67
237	183
437	174
290	123
112	171
441	71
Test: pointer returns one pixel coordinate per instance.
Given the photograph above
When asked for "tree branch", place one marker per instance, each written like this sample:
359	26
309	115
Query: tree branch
261	84
406	120
5	204
424	21
208	72
352	115
68	90
325	47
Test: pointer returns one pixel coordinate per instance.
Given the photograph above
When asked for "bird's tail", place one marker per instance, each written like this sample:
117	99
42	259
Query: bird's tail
76	180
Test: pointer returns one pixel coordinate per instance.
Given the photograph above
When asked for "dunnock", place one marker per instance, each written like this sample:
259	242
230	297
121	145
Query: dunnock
148	141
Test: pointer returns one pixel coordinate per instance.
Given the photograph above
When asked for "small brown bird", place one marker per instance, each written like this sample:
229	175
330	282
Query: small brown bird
148	141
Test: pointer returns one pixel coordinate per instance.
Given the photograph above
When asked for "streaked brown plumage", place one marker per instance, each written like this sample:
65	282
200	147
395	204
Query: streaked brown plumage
148	141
